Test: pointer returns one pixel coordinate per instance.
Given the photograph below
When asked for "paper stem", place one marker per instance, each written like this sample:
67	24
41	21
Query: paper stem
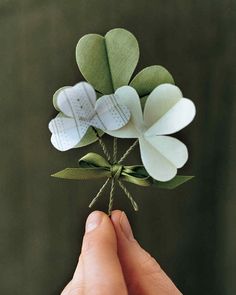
99	193
127	193
102	144
114	150
128	151
111	200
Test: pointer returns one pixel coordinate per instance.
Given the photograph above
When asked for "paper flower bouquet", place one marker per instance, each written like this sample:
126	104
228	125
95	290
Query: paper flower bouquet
147	108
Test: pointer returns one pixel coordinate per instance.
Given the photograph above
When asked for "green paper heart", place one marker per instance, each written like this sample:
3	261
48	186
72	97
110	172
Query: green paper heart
149	78
108	62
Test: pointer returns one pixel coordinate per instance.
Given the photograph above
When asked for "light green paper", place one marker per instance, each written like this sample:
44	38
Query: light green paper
108	62
173	183
149	78
89	137
82	173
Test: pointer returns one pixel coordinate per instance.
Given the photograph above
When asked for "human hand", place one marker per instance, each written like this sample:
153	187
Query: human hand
113	263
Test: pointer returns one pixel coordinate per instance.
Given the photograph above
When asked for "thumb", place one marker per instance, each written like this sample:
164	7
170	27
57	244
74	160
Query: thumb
99	270
142	273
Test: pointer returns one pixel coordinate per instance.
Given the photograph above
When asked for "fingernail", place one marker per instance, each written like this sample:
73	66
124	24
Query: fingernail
125	226
93	221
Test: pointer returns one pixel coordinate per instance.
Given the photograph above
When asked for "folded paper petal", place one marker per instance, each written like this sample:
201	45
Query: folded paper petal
149	78
128	97
55	96
77	101
158	166
171	148
109	114
179	116
160	101
66	132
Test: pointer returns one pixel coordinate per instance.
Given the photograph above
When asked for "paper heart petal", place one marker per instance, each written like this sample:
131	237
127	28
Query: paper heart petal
77	101
171	148
128	97
66	133
179	116
160	101
55	96
109	114
158	166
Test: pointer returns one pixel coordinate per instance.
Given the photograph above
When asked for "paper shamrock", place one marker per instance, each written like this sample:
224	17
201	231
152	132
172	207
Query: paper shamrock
80	110
165	112
107	63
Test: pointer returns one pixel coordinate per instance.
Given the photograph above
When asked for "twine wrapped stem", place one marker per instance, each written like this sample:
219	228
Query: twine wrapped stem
99	193
102	144
116	170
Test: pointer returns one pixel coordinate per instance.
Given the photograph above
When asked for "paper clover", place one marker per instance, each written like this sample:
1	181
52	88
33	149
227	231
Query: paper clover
80	110
110	103
165	112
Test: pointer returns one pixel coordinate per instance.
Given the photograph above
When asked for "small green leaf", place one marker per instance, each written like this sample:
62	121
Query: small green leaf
107	62
149	78
89	137
173	183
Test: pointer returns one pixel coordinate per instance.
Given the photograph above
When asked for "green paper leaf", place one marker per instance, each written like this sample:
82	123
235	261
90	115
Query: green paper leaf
107	62
89	137
173	183
143	101
82	173
149	78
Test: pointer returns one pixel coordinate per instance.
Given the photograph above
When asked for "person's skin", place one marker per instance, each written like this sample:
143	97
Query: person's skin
112	262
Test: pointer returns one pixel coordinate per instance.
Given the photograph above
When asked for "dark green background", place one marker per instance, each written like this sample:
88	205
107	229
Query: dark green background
191	230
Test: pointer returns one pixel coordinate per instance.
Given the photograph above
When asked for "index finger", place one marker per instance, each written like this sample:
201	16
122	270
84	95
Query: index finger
99	270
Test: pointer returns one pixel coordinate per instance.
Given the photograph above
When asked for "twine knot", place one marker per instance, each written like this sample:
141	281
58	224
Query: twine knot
116	171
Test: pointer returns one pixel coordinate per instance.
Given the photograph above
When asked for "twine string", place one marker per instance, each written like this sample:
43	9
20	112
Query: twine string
128	151
111	199
114	150
129	196
99	193
102	144
116	170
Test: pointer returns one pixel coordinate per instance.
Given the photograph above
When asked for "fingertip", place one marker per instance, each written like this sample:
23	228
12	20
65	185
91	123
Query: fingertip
94	220
115	216
122	225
